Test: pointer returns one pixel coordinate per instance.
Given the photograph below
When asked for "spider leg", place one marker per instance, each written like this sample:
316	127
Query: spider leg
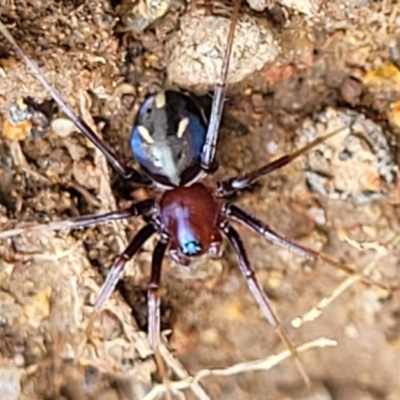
232	185
117	270
263	229
210	145
261	298
153	300
141	208
120	167
153	307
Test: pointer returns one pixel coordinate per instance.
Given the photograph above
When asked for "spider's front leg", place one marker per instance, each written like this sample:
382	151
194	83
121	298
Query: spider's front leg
113	159
117	271
143	208
210	146
233	185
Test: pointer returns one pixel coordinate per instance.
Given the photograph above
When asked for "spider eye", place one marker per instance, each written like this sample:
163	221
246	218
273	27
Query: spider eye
191	248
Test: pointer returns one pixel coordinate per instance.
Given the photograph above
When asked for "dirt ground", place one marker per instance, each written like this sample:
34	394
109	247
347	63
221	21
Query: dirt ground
326	61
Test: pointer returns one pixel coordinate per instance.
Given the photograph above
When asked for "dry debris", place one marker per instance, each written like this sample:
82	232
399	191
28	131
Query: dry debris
356	165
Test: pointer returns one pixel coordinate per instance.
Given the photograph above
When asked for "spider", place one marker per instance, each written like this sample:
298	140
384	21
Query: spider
175	147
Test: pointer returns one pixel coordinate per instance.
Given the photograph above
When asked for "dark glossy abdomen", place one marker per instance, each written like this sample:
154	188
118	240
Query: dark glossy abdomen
168	138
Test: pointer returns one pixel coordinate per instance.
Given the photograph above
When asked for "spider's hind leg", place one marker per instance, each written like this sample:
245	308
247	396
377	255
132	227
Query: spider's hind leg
274	237
261	298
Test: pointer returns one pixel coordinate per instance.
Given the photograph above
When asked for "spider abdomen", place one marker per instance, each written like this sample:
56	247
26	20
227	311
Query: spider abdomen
168	138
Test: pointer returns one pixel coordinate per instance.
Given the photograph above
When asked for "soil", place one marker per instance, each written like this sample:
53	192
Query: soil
105	57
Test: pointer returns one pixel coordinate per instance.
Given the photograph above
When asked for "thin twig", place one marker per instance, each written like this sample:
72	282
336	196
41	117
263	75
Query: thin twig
257	365
316	311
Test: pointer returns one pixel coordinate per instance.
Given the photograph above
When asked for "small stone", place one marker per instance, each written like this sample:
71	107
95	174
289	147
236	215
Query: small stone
17	132
351	90
10	385
195	54
275	279
356	164
63	127
258	102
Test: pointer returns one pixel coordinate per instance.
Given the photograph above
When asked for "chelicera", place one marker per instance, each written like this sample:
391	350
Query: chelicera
175	147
